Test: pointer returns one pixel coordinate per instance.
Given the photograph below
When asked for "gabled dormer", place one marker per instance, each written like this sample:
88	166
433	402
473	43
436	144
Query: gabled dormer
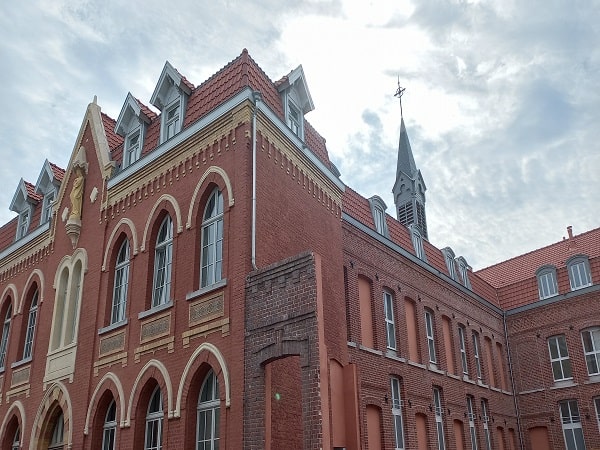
449	258
131	125
23	203
47	187
463	269
170	97
378	208
296	100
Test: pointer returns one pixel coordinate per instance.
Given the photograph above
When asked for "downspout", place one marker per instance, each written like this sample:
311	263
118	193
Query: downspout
256	97
512	382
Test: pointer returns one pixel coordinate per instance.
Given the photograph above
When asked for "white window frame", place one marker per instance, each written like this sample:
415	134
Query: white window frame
24	222
591	350
439	422
397	414
211	241
172	125
463	349
449	258
154	421
31	321
547	286
47	205
295	123
163	259
5	335
579	272
597	407
485	419
559	358
109	428
463	268
417	241
476	355
471	419
121	284
209	407
132	150
571	424
390	324
16	445
429	330
57	439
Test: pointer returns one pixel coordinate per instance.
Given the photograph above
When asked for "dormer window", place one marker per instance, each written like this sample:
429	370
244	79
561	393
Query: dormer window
23	224
449	258
547	286
579	272
417	241
132	148
296	100
170	97
378	208
294	120
46	187
23	204
131	125
463	268
47	208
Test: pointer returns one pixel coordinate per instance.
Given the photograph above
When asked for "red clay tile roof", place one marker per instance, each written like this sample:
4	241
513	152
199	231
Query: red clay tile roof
31	192
316	143
524	266
59	173
8	233
146	110
114	140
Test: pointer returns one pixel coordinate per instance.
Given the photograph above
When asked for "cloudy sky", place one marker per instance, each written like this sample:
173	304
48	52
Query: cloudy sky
502	100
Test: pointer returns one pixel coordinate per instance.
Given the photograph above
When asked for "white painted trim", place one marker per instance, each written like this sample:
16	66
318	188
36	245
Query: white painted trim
115	379
151	218
109	244
193	201
49	393
167	380
19	406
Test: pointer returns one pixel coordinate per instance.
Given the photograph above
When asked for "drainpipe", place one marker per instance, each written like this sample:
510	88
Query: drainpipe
512	382
256	97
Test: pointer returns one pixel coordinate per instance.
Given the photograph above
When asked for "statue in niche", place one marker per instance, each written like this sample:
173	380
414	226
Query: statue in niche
76	194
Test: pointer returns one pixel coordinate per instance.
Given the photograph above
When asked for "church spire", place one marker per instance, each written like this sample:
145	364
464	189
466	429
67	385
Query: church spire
409	188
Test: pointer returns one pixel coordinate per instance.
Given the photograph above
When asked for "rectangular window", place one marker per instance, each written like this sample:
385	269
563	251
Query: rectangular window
597	406
571	425
439	424
486	430
559	358
47	212
172	121
579	276
591	348
294	119
471	418
23	224
463	350
390	327
133	147
397	414
430	336
476	354
417	241
379	218
547	285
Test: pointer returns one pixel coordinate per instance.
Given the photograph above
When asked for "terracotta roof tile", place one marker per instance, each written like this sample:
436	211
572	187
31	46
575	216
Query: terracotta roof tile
8	233
31	192
59	173
316	143
114	140
146	110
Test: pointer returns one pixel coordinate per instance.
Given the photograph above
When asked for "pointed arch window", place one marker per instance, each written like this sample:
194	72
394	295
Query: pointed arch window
31	321
5	333
212	240
16	443
56	441
163	255
109	429
208	415
121	284
154	422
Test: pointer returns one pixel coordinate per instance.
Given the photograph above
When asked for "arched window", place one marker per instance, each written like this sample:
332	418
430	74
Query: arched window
579	272
212	240
31	320
109	430
207	428
119	302
163	254
56	442
16	440
154	419
5	332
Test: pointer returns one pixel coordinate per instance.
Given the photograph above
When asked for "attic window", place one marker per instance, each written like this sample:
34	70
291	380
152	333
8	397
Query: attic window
47	209
449	257
294	120
172	121
378	208
463	268
23	225
417	241
579	272
132	148
547	286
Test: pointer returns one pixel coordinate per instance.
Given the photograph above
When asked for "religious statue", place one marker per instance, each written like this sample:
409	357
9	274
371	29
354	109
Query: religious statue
76	194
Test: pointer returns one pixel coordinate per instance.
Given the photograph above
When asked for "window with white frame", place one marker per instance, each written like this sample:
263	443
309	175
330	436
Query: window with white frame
212	240
172	121
463	349
591	348
547	286
417	241
430	336
597	407
132	148
579	272
109	429
397	414
16	440
23	225
439	423
31	320
208	414
379	217
121	283
559	358
571	425
463	268
57	439
378	208
476	354
294	119
471	419
163	254
47	206
154	422
485	417
449	258
390	325
5	334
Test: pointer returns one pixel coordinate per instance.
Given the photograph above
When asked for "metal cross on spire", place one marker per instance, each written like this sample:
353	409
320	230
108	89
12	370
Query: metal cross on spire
399	93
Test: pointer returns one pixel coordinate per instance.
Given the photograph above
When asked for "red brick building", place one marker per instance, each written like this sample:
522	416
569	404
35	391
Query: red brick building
198	276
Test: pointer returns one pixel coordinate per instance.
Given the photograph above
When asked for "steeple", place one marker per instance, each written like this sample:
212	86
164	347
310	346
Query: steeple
409	188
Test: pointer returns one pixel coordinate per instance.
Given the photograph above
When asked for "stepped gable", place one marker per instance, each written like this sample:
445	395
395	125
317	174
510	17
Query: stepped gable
524	266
